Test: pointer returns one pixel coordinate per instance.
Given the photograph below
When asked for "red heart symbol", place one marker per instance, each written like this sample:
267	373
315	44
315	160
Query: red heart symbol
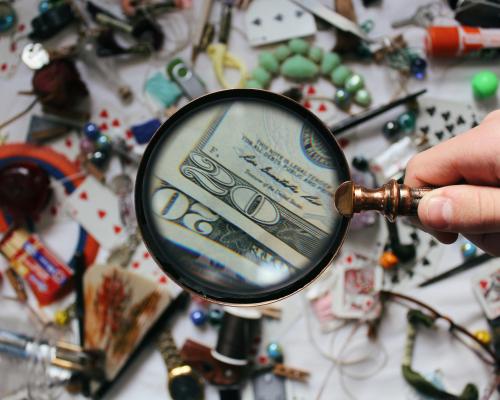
117	229
307	104
311	90
103	126
483	283
163	279
322	107
128	134
146	255
68	142
343	142
349	259
115	123
84	196
21	27
104	113
4	67
101	213
135	264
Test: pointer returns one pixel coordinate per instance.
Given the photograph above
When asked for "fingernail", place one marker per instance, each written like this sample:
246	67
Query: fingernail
439	212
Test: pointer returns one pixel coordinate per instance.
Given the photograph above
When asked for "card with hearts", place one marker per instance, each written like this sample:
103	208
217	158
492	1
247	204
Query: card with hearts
120	308
314	100
276	21
360	280
143	264
96	208
486	287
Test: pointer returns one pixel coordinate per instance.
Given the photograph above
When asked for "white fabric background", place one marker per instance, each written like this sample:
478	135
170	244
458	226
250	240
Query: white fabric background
146	378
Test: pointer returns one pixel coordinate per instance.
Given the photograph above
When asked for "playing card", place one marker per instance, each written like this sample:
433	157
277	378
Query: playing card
96	208
314	100
357	292
486	287
275	21
120	307
428	260
439	120
143	264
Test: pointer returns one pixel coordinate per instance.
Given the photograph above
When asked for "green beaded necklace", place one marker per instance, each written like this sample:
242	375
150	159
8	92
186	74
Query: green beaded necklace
300	62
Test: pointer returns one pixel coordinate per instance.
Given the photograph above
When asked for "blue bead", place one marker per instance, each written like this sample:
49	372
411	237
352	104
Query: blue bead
418	67
7	18
44	6
91	131
198	317
468	249
274	352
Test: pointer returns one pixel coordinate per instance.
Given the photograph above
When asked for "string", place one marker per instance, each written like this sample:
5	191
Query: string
338	360
19	115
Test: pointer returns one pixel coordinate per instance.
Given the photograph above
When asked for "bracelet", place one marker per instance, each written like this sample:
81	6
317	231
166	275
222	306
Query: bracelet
300	62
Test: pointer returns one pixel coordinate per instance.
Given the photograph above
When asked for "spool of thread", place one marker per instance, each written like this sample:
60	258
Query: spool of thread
237	334
452	41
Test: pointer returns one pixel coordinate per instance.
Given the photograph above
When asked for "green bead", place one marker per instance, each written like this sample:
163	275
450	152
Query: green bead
342	99
329	63
299	68
407	121
261	75
340	75
215	316
253	84
298	46
315	54
363	98
484	84
354	83
282	52
268	61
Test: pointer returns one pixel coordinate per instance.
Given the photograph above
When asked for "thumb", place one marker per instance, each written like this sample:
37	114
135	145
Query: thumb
462	209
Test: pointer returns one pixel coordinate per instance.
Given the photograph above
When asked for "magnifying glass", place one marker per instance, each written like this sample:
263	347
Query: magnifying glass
236	192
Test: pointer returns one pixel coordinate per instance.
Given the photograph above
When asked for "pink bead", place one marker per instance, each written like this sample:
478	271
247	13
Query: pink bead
86	145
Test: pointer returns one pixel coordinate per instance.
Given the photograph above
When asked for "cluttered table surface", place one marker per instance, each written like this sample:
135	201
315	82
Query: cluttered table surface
128	94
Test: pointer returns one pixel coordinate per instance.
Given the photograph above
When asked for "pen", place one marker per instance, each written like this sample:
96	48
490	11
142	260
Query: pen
364	116
79	268
467	264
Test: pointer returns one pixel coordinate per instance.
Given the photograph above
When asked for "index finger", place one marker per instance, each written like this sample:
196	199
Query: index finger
472	157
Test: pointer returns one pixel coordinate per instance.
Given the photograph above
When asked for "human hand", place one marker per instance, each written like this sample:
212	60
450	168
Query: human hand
466	169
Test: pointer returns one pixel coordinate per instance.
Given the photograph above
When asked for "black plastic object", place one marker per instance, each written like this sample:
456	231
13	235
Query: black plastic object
51	22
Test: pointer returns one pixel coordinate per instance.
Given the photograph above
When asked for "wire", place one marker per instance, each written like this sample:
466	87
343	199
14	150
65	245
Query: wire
338	360
19	115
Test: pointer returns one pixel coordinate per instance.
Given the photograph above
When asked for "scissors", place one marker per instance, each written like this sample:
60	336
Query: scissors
219	55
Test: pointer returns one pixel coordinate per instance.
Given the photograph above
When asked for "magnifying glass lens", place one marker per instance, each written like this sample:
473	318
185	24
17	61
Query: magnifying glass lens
234	196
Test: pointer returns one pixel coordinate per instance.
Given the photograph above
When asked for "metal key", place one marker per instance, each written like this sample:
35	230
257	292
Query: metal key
423	17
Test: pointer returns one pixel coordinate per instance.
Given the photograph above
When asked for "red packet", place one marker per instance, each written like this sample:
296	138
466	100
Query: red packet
46	275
